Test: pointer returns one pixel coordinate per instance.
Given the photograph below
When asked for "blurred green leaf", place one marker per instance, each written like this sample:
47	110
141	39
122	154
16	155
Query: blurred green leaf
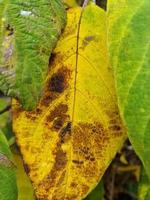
8	186
4	116
144	187
97	193
129	49
25	189
70	3
5	119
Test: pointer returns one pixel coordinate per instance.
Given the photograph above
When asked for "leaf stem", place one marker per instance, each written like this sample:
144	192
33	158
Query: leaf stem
7	108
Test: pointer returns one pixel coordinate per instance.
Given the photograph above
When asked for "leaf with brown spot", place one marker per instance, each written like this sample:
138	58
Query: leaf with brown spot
69	141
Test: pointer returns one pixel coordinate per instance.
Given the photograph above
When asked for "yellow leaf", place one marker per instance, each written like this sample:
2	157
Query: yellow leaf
72	136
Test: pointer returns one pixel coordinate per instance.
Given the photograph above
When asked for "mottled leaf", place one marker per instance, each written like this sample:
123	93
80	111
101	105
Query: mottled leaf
8	186
129	39
72	136
28	33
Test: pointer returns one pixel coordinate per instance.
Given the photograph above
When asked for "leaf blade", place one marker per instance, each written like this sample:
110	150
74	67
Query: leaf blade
76	124
128	36
8	187
33	30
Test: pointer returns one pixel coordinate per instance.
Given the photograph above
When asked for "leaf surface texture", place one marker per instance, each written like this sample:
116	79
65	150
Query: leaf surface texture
8	185
29	31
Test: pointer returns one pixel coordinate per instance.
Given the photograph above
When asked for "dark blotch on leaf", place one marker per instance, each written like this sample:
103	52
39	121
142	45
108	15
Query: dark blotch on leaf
9	29
59	112
52	59
26	168
66	130
57	83
58	123
77	162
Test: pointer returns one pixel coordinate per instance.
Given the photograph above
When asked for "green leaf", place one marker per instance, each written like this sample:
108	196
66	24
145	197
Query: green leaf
3	116
128	37
144	187
8	187
97	193
29	32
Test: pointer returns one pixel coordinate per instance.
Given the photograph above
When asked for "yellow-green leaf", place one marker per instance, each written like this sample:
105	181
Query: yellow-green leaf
70	3
129	47
72	136
144	187
3	115
25	189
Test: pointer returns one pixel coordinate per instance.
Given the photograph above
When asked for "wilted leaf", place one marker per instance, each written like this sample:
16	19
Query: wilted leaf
8	186
129	36
29	31
71	138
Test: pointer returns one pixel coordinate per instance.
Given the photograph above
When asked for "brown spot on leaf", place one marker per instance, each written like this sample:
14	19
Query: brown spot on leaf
72	197
47	99
58	111
52	59
73	184
54	177
55	85
60	160
58	82
38	111
87	40
66	130
115	128
43	197
92	159
58	116
89	140
85	189
31	116
17	111
26	168
58	123
78	162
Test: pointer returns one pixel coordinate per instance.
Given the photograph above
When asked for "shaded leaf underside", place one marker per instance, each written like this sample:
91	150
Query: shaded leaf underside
75	131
